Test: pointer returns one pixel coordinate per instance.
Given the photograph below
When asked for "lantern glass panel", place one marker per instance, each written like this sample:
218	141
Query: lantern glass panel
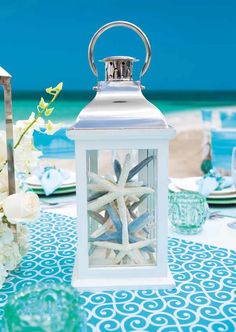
122	207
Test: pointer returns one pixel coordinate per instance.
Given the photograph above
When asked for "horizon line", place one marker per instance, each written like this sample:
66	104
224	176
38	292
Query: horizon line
152	94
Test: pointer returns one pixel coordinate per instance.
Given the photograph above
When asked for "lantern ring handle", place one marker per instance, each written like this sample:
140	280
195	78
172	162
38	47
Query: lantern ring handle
113	25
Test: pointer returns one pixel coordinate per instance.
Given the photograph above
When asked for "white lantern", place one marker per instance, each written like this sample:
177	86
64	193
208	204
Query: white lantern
122	182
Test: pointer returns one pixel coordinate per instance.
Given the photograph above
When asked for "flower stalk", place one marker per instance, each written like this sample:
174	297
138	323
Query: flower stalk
43	108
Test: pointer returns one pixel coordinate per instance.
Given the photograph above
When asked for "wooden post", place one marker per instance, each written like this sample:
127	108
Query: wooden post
5	82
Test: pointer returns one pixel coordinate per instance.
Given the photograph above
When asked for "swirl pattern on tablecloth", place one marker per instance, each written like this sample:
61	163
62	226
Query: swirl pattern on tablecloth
204	298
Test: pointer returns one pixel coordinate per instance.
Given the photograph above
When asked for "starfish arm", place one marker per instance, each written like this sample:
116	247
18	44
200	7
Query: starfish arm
133	256
117	169
136	204
136	256
94	196
101	230
109	245
140	244
123	217
101	201
134	239
96	216
134	184
138	223
120	256
149	250
96	187
138	191
132	198
139	167
133	215
114	217
125	171
101	181
110	178
108	236
91	249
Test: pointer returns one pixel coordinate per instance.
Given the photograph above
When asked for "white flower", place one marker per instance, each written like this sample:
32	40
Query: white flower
9	255
26	158
21	207
23	239
21	125
6	234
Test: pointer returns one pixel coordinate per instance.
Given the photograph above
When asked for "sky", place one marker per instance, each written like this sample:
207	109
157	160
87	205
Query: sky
193	42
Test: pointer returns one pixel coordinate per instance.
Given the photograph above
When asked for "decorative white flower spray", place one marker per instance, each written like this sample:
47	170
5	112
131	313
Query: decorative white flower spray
22	207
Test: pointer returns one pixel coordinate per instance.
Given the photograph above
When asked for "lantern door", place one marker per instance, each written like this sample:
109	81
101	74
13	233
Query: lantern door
122	214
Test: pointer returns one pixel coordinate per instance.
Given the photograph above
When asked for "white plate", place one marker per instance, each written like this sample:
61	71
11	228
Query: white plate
173	188
190	184
34	182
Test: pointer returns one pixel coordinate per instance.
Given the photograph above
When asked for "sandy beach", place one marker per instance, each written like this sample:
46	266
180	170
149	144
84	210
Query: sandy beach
187	147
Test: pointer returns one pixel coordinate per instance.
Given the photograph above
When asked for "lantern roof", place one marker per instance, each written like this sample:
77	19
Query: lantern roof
119	57
4	73
119	105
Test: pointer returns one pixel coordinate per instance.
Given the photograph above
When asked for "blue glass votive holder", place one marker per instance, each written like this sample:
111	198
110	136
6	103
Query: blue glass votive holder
45	308
188	211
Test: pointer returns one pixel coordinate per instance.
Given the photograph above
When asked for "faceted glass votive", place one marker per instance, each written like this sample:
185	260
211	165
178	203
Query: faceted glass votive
187	212
45	308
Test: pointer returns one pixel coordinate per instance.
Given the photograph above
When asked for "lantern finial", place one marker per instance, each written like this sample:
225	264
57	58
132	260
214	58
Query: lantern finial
119	68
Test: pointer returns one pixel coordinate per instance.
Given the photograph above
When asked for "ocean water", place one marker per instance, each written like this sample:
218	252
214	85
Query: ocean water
69	104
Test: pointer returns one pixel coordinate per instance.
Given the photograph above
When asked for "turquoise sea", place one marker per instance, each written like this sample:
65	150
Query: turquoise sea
69	104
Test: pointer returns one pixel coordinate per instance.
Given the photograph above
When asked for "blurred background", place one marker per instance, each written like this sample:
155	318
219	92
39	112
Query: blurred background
193	46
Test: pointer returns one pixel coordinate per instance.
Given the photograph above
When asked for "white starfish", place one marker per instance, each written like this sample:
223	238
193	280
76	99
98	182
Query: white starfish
103	229
131	250
119	192
115	191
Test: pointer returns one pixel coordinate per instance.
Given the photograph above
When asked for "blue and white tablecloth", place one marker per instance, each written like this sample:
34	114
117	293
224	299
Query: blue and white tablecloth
204	299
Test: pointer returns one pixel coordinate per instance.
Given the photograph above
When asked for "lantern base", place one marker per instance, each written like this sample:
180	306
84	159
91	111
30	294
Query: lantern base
99	284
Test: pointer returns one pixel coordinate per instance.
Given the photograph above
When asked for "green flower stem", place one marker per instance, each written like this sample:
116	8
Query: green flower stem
40	112
27	128
5	163
35	120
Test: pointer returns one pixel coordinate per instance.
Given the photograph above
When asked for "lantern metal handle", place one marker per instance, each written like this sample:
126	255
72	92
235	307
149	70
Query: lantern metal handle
119	24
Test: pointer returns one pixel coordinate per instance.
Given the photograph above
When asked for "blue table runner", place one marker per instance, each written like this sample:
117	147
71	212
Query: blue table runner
204	299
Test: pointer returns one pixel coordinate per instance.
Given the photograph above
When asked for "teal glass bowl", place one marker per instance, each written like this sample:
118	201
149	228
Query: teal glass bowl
45	308
188	211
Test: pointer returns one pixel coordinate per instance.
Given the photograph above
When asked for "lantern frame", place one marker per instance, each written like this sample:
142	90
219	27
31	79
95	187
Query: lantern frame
118	277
